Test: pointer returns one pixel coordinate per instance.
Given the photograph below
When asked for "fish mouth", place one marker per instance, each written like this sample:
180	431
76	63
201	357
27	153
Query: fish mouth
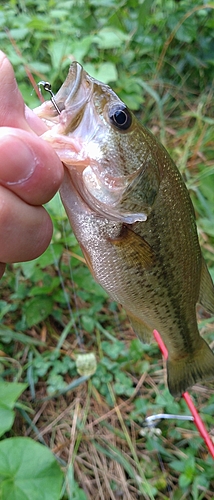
73	133
68	94
74	95
71	99
76	124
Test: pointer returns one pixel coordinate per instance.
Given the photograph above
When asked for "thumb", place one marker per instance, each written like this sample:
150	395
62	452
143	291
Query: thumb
12	108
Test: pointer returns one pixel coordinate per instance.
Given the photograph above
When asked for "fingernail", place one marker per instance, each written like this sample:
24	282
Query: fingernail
17	160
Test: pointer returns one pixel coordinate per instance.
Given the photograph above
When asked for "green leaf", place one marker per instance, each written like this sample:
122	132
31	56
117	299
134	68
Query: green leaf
4	308
45	289
19	33
190	466
34	267
6	420
109	38
113	350
37	309
177	465
88	323
105	72
39	66
30	270
28	471
37	24
9	393
184	481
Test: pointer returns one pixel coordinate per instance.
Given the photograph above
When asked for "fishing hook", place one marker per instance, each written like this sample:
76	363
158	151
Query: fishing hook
47	87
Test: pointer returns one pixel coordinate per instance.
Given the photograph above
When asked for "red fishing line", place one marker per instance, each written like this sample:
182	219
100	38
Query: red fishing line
197	419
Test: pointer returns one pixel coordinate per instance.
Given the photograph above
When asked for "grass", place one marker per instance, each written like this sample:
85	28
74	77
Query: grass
52	312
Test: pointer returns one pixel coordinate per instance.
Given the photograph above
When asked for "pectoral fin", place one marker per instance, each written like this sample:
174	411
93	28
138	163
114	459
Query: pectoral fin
134	249
206	295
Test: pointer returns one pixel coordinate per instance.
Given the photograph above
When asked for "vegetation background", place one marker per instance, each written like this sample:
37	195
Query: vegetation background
158	56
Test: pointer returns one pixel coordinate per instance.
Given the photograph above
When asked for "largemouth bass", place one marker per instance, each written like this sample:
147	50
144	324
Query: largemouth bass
133	217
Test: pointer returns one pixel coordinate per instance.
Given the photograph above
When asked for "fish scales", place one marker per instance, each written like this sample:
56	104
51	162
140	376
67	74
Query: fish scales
132	215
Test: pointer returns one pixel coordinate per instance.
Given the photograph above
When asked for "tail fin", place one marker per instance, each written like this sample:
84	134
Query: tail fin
187	371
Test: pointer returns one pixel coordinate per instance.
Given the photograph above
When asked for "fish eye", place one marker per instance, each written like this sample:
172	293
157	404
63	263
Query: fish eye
120	116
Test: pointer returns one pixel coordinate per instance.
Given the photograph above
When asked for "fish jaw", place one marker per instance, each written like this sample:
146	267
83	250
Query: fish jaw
71	100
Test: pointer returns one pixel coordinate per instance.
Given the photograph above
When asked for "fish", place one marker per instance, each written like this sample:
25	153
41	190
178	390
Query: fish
133	217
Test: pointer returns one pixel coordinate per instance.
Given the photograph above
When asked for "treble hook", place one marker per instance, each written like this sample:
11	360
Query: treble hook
47	87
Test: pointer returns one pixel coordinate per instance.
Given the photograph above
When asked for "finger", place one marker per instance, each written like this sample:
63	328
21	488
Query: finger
13	112
25	235
12	108
36	124
29	166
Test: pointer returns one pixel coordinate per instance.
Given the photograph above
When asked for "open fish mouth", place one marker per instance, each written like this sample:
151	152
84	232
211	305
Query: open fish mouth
70	102
68	95
79	132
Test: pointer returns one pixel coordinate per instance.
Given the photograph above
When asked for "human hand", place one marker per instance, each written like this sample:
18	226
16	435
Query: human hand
30	175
